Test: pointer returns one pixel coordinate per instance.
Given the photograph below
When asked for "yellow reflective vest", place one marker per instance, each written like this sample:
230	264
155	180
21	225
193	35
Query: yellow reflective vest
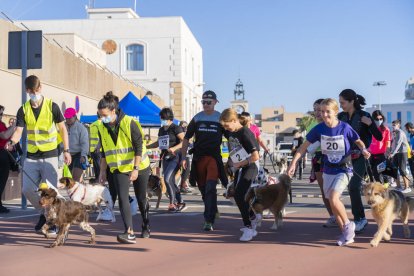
41	133
94	135
121	156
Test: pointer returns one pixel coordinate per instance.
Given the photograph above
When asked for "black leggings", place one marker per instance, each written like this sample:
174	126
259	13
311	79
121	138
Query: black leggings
374	161
248	174
4	170
170	168
121	183
400	160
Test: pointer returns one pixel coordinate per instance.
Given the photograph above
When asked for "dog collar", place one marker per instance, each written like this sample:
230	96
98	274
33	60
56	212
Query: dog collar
74	191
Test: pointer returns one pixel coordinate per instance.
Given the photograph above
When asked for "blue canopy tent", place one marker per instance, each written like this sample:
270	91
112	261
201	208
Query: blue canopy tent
132	106
145	100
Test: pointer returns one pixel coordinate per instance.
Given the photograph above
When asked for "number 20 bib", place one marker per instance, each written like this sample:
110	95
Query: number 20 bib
238	154
333	147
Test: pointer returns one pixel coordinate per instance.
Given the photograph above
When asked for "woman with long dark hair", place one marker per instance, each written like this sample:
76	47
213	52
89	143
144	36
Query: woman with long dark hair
379	149
125	155
362	122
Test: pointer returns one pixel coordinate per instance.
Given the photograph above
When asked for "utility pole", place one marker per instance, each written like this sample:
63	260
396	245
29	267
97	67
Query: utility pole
379	84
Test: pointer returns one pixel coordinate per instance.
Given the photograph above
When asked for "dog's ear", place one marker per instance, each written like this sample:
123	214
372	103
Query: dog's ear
249	195
266	170
52	192
62	180
366	188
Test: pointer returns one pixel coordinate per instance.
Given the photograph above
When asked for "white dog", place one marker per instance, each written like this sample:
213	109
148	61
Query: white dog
88	195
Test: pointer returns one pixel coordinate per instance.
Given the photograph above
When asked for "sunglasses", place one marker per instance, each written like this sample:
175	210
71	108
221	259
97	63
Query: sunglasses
207	102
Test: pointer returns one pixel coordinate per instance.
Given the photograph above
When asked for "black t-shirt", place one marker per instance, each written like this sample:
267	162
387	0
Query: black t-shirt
243	137
172	132
207	132
57	118
297	142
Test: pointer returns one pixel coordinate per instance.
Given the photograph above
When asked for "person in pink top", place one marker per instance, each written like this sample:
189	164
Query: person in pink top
379	149
246	120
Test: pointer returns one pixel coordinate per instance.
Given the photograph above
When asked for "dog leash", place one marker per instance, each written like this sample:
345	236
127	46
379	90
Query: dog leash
21	168
271	161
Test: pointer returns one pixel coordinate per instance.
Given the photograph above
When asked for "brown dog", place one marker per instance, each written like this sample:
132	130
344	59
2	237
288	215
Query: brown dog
272	197
62	214
156	186
386	206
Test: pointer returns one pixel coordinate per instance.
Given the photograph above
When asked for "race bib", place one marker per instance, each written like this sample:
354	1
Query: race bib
164	142
295	143
382	166
238	154
333	147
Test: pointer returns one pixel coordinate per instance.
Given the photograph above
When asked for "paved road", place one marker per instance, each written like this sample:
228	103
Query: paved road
178	246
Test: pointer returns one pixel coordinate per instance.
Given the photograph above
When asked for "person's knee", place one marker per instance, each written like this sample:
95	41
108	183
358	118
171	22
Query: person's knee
211	186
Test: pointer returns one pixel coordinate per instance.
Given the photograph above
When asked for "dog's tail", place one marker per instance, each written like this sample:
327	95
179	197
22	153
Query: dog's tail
285	180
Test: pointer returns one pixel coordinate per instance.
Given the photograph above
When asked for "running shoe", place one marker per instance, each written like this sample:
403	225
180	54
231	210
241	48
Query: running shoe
181	207
360	225
348	235
126	238
172	208
186	190
4	209
330	223
248	234
208	226
406	190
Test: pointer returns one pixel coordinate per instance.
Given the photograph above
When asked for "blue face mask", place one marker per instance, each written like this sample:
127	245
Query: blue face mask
164	123
107	119
35	97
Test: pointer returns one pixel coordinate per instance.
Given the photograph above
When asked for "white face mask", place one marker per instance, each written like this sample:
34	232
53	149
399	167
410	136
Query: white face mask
107	119
379	122
35	97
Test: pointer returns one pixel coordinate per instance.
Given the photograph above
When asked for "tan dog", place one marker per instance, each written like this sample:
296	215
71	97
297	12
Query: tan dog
272	197
156	186
386	206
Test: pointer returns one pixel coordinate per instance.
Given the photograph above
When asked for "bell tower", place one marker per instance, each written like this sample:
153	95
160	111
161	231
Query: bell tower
239	103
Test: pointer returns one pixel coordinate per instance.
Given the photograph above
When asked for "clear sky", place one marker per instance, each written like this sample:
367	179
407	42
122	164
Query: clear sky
288	52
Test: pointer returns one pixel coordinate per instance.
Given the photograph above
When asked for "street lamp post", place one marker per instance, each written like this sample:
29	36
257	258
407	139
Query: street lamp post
379	84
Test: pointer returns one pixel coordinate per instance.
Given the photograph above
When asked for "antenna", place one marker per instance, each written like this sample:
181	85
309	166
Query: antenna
135	6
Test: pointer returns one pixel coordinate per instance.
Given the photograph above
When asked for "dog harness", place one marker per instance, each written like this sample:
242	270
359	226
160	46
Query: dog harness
84	192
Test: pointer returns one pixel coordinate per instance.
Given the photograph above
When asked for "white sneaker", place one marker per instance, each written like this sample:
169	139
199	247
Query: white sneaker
406	190
134	206
348	234
257	222
393	184
106	215
330	223
248	234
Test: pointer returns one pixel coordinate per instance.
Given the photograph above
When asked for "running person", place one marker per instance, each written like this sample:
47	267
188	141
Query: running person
336	138
379	149
170	137
122	149
207	165
363	124
244	157
317	164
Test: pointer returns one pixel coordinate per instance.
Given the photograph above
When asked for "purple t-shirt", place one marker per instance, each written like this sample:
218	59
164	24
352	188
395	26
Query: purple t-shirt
335	144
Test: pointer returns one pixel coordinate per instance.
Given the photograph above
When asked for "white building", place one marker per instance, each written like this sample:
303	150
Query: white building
160	54
401	111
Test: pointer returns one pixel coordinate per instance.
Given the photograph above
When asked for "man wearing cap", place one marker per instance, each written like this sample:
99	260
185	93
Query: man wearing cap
78	144
43	119
207	166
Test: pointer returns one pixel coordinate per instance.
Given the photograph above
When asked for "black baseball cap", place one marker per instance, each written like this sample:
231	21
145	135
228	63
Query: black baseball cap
209	95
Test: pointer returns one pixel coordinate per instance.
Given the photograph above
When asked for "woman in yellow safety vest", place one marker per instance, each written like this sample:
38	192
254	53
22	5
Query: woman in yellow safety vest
124	152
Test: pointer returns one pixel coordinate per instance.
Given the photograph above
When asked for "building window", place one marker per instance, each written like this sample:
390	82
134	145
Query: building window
277	127
275	112
399	115
135	57
409	117
389	117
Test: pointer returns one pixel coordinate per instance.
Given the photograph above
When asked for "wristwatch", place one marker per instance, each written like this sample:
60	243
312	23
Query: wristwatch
136	168
66	150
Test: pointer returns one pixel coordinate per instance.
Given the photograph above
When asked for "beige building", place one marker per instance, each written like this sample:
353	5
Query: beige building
275	120
65	76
